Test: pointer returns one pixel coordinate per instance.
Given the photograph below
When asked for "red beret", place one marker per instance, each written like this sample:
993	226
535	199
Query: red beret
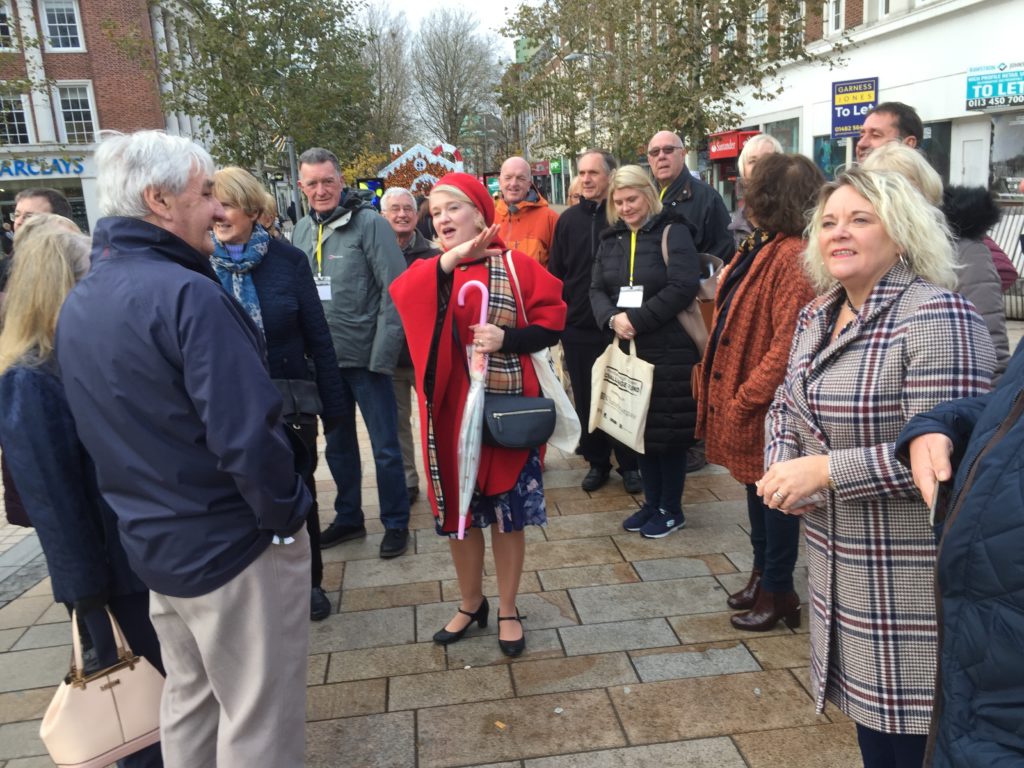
473	189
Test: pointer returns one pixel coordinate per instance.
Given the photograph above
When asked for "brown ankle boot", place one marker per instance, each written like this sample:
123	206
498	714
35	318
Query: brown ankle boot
768	609
744	599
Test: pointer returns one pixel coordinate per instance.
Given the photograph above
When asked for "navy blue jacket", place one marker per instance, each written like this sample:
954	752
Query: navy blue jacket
57	481
698	203
979	712
294	323
165	376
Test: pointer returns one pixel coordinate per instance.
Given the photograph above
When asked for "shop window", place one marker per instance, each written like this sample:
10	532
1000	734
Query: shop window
6	26
13	121
77	113
936	144
829	155
63	25
1007	152
787	132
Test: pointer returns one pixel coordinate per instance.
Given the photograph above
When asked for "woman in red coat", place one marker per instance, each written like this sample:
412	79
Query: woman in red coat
759	297
509	492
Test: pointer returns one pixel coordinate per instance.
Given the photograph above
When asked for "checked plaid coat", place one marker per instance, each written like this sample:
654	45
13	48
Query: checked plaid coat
870	549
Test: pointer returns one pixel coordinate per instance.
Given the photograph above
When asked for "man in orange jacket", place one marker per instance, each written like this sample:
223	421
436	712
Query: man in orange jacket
525	221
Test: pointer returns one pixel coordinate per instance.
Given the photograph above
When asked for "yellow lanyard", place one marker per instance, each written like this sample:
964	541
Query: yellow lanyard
661	195
632	255
319	244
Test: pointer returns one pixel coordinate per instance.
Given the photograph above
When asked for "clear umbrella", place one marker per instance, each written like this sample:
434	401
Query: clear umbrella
471	433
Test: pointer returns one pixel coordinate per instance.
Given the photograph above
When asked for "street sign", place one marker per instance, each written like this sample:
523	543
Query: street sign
993	86
851	101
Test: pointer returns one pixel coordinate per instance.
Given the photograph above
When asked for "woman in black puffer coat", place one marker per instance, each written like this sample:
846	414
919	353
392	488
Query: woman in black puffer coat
630	254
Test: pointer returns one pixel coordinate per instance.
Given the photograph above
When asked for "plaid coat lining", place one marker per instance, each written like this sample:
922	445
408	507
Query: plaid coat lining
871	551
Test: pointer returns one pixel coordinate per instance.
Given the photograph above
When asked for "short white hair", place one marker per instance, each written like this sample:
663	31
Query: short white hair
752	143
391	192
129	164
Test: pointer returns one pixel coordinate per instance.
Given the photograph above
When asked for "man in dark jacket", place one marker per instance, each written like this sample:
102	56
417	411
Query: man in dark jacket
165	376
354	258
571	260
398	206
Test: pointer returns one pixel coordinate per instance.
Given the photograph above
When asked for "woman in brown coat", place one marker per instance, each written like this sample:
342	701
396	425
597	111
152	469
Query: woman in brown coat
759	297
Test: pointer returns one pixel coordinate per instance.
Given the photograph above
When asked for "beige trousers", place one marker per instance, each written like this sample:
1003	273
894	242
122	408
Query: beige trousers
235	695
404	382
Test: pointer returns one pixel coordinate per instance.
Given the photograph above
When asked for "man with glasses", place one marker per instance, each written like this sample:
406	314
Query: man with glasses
689	197
525	221
354	258
400	210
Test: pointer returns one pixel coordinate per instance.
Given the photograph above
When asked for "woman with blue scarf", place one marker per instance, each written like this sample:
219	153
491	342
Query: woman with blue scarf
273	283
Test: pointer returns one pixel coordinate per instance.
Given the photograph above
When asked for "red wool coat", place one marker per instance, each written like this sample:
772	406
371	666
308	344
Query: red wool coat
415	293
750	360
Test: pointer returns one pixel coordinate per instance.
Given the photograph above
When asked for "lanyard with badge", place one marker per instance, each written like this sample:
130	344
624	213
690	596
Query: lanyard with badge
323	282
631	296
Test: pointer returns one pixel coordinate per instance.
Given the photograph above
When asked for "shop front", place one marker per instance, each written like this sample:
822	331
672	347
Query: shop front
724	151
73	176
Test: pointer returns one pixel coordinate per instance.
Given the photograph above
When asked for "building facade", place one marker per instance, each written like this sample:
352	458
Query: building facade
959	63
66	76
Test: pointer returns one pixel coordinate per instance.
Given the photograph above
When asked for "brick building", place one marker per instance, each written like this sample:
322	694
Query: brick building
75	80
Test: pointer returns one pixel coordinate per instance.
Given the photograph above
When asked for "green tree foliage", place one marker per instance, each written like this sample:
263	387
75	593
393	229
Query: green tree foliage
256	71
682	65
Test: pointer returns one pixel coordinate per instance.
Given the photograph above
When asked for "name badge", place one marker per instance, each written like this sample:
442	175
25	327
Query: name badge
323	287
630	296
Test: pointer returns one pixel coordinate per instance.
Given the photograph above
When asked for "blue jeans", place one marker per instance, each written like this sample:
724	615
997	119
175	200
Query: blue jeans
376	399
775	538
664	476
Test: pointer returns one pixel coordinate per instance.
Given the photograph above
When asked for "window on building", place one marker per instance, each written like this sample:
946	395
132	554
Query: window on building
1007	159
63	26
6	25
13	121
884	6
787	132
834	16
76	114
758	30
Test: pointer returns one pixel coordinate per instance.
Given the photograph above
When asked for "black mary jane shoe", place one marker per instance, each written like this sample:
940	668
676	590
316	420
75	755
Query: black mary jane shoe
513	648
444	637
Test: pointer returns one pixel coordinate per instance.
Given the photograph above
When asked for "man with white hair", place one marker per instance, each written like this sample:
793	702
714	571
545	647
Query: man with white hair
400	211
525	222
165	374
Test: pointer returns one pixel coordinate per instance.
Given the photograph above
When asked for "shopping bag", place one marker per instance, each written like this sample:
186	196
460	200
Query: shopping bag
620	394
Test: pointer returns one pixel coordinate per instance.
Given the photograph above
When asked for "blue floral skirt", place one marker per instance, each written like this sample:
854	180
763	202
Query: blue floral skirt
515	509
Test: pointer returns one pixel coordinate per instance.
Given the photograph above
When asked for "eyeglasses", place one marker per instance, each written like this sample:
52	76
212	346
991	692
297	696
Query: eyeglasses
655	151
16	215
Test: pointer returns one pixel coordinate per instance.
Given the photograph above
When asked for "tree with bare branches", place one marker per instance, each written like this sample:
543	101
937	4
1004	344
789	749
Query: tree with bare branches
386	56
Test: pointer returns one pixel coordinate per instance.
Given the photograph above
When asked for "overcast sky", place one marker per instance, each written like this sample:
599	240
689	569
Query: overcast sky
491	14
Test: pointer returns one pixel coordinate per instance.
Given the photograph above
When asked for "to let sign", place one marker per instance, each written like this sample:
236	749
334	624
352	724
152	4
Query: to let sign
993	86
851	102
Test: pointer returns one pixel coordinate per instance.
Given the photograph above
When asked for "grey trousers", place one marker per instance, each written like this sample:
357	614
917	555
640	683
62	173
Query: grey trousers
404	382
235	695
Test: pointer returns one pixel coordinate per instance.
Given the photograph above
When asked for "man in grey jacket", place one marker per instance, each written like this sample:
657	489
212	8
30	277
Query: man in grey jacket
354	258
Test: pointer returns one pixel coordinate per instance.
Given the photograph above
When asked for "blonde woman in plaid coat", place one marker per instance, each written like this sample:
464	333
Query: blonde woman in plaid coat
883	343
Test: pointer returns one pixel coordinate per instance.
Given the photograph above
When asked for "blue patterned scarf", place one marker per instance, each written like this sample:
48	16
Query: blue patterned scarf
236	276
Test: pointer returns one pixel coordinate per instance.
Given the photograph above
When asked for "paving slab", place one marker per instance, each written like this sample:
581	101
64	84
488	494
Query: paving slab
617	636
781	652
620	602
588	576
575	505
31	704
24	611
672	568
371	741
542	610
56	612
9	637
712	706
316	668
483	650
685	543
382	662
407	569
334	700
710	627
589	525
816	746
456	686
369	598
693	661
362	629
45	636
527	583
563	554
21	739
531	729
573	674
699	753
37	668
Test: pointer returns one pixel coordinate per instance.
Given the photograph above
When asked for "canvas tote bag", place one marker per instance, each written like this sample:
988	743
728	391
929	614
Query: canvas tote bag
620	394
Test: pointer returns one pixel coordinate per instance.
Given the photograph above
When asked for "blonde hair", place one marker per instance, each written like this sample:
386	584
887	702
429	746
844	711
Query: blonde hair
241	189
917	227
909	163
462	197
632	177
52	255
267	217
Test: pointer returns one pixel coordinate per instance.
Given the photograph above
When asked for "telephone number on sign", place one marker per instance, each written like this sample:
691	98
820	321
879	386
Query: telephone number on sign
995	101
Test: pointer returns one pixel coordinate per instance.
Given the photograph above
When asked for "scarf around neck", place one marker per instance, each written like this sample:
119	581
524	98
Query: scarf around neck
236	276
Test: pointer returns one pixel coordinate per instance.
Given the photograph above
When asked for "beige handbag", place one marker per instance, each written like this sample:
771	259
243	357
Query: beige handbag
97	720
620	394
696	318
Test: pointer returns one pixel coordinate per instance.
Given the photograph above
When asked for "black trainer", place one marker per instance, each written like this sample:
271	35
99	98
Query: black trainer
335	534
632	482
319	605
595	478
394	543
695	458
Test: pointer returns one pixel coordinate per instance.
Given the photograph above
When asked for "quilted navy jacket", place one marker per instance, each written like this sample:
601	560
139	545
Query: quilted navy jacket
979	709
